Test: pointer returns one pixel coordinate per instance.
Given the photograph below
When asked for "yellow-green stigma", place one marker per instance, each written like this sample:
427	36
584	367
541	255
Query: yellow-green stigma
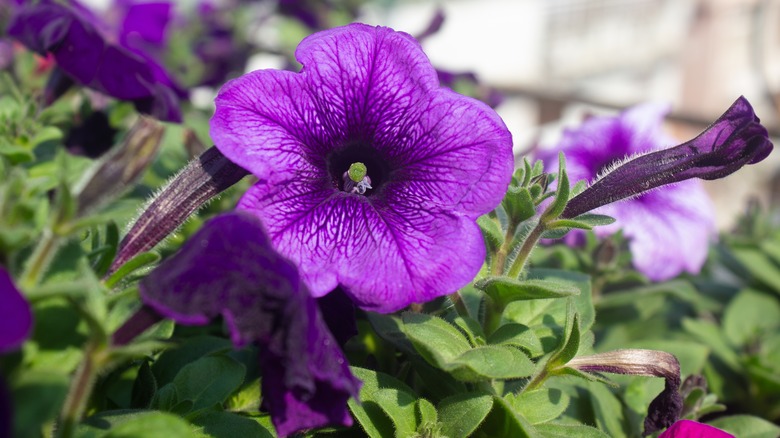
357	171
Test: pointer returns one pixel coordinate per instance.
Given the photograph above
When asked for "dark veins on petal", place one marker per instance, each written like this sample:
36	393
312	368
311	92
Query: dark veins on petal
229	269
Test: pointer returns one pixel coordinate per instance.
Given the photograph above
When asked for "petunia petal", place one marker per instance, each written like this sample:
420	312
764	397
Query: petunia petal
15	314
692	429
386	253
228	268
77	41
668	230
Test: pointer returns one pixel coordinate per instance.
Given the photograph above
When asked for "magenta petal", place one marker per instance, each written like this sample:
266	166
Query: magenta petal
16	318
228	268
692	429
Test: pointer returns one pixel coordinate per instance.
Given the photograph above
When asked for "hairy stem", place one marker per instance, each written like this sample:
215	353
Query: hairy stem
525	251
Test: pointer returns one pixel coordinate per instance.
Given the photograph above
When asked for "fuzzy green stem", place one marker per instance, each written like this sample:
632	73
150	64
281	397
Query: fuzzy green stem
499	262
525	251
80	390
491	319
39	260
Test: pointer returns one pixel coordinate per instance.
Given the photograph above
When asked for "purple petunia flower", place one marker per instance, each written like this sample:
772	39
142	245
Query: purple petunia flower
371	175
692	429
229	269
93	54
668	230
15	314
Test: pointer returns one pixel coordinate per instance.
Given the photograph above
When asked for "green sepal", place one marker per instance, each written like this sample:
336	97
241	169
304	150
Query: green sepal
519	204
561	194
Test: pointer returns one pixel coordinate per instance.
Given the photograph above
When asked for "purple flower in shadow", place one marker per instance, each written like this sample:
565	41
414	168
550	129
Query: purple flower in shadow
229	269
692	429
16	321
15	314
403	228
92	54
668	229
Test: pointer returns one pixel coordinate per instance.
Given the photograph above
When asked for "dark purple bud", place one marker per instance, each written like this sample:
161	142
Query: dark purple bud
230	269
121	168
58	84
202	179
736	139
16	319
666	407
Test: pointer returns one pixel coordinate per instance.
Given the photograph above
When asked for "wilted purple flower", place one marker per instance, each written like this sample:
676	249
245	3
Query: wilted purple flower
229	269
434	161
88	52
692	429
668	229
15	315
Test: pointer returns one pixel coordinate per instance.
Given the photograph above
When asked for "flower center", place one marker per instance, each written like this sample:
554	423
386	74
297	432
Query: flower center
357	168
356	180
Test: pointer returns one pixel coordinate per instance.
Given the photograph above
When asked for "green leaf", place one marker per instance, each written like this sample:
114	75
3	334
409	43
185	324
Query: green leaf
135	424
540	405
760	266
219	424
747	426
435	339
749	316
208	381
462	414
709	334
568	224
504	421
504	290
594	220
444	347
547	317
172	360
518	335
426	413
490	362
491	230
387	406
570	344
132	265
569	431
43	394
144	387
247	399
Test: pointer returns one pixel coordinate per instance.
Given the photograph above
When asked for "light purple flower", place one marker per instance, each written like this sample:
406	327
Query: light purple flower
90	52
692	429
16	318
668	229
435	161
229	269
